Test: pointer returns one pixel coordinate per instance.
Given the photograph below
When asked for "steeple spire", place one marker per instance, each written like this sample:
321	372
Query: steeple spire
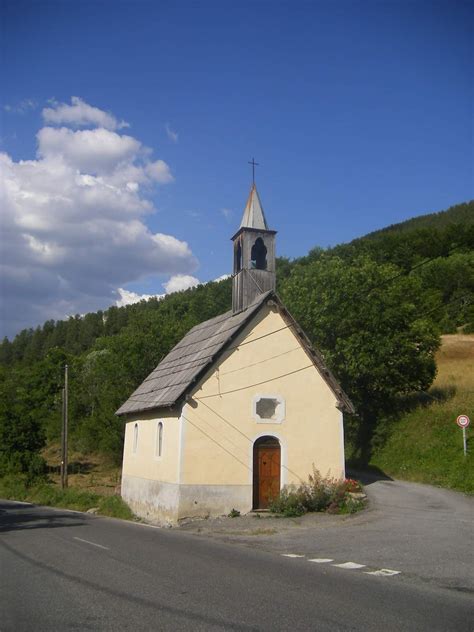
253	216
254	255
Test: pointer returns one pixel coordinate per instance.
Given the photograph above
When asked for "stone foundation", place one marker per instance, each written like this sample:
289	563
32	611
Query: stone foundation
166	503
213	500
153	501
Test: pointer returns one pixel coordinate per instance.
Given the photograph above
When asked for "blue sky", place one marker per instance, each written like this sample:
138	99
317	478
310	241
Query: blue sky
359	114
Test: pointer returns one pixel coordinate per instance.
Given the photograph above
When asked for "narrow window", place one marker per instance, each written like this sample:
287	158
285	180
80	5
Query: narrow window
258	255
159	439
238	257
135	438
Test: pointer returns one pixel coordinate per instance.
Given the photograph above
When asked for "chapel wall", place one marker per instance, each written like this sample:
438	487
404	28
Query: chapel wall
149	481
144	461
220	426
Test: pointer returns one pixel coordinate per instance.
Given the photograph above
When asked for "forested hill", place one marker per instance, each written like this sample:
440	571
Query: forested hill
462	214
426	237
375	308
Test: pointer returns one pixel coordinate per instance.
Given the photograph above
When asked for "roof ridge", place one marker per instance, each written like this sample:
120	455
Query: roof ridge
159	388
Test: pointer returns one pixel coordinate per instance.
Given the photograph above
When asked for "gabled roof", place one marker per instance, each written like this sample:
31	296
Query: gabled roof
254	217
187	360
186	363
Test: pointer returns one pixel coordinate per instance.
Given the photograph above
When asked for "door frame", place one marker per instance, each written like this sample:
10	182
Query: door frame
255	466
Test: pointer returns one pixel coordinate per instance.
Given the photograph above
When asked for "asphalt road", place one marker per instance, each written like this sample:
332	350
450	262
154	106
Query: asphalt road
424	532
62	570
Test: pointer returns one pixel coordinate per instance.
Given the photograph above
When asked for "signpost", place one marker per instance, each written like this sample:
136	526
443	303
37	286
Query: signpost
463	422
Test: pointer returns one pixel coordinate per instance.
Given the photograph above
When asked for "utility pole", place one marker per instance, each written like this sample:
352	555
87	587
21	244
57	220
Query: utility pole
64	439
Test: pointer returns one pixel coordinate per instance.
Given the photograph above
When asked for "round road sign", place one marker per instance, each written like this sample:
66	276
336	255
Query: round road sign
463	421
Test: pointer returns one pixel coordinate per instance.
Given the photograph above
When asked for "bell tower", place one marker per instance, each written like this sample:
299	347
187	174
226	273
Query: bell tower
254	255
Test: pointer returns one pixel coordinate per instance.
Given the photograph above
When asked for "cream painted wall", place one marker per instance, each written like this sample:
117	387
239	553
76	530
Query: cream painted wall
144	463
218	421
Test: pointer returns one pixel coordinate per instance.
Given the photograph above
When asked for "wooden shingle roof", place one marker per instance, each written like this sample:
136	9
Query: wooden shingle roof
196	352
184	363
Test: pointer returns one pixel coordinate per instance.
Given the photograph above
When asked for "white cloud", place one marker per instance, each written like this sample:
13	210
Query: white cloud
223	277
22	107
73	227
227	213
80	114
88	150
159	171
180	282
176	283
127	297
172	135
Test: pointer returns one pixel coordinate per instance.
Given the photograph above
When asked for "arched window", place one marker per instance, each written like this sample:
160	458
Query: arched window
159	439
135	438
258	255
238	257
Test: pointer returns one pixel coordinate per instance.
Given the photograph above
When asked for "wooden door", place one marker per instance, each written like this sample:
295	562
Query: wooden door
266	473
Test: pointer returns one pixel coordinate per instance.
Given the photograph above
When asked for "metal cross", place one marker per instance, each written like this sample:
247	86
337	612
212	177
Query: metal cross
254	164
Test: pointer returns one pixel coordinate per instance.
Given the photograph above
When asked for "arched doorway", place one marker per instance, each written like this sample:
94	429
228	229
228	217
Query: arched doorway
266	471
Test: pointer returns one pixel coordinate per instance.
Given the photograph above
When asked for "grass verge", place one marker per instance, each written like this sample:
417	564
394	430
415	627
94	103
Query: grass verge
14	487
426	445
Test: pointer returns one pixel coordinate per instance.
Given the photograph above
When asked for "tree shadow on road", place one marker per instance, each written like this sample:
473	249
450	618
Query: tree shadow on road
370	474
20	517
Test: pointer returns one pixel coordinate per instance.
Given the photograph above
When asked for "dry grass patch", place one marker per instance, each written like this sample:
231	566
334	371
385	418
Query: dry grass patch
425	445
91	472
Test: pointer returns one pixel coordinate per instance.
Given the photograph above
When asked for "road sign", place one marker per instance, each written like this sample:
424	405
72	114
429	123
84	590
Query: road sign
463	421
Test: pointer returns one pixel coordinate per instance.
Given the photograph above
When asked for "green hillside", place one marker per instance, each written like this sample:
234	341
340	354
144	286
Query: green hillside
459	214
425	444
375	308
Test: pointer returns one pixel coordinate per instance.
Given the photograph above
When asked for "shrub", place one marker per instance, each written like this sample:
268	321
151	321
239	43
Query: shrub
290	502
115	507
318	494
36	469
14	487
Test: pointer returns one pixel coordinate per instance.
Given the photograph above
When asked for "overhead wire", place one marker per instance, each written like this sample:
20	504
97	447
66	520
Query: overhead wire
215	429
243	388
200	364
242	433
216	442
231	348
138	398
242	368
414	267
210	355
277	377
200	399
356	295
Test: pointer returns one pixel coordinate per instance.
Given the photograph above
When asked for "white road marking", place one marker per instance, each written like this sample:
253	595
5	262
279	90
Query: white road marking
383	572
350	565
20	502
93	543
140	524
